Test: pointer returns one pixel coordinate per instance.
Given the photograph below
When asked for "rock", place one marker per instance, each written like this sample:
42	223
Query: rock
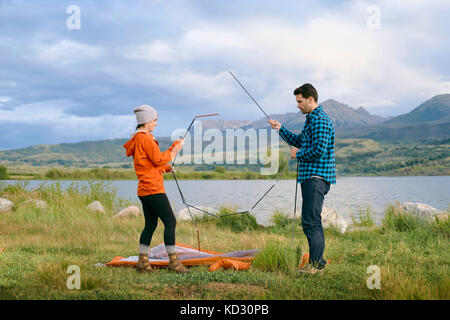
331	218
96	206
422	210
360	228
127	212
184	214
5	205
41	204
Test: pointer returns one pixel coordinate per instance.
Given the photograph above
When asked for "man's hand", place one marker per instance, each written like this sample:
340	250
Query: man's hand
294	153
274	124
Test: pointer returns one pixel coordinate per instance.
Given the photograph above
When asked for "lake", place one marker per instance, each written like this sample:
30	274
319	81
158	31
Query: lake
348	196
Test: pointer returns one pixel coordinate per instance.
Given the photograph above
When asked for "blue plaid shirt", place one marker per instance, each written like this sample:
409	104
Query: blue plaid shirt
316	144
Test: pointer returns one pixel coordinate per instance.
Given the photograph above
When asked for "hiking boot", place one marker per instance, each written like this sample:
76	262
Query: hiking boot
143	264
310	269
176	265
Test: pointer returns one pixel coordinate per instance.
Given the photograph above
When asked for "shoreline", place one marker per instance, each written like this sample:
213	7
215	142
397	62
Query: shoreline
291	176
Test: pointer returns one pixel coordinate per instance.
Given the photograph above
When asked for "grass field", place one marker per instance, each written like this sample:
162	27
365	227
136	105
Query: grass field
37	246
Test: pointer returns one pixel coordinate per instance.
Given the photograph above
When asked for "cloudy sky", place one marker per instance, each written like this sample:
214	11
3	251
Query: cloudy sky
65	84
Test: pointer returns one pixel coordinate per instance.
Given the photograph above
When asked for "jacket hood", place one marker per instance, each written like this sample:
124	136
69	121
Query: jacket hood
130	145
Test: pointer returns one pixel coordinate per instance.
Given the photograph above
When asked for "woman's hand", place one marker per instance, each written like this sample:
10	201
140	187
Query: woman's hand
179	145
170	169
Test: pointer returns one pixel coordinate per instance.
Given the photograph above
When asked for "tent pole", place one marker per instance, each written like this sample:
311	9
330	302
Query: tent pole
295	206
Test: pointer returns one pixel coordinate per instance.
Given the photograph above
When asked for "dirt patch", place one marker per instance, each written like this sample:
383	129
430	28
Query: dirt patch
222	286
202	291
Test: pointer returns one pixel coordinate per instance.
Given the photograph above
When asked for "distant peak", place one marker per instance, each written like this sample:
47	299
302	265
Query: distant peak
362	110
331	101
443	95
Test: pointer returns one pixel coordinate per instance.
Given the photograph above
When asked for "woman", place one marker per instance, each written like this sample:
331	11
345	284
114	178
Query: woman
150	164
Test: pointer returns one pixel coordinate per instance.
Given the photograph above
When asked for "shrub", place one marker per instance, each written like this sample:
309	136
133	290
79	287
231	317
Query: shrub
441	226
396	219
3	173
281	220
54	174
276	257
207	175
237	223
220	169
365	218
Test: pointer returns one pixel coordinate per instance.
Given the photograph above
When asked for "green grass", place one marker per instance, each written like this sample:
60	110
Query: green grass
364	218
27	173
38	246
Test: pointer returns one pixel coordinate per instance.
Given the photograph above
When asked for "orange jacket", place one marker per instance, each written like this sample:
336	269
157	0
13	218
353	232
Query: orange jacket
149	162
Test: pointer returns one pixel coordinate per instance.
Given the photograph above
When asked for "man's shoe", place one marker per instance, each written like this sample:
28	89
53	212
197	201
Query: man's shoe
310	269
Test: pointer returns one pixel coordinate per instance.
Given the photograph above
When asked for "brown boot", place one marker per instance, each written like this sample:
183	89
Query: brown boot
143	264
176	265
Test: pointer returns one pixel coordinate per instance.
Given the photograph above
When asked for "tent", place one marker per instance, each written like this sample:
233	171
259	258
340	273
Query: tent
189	256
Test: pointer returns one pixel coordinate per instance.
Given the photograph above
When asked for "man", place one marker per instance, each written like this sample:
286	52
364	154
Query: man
315	153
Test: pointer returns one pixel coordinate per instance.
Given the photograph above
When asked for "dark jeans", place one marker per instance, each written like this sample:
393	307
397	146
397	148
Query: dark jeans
157	206
313	193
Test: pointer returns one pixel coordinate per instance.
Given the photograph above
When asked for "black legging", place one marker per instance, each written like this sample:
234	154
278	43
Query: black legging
154	206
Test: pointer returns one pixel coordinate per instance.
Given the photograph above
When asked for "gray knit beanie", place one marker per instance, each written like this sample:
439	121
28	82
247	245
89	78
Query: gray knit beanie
145	114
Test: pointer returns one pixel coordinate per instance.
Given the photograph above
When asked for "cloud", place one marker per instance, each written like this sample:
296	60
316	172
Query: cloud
176	56
157	51
53	116
67	52
5	99
346	60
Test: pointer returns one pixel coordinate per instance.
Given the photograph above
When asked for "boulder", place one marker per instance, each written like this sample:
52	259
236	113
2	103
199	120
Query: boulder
422	210
331	218
5	205
41	204
184	214
132	211
96	206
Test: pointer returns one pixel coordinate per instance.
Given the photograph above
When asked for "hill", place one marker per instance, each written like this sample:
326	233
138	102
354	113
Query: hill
430	120
436	109
350	123
81	154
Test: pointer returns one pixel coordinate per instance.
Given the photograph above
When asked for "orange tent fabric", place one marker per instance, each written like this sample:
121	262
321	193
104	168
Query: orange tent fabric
227	263
190	256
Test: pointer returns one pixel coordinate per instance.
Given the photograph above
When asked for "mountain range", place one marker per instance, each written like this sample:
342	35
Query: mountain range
434	110
430	120
341	114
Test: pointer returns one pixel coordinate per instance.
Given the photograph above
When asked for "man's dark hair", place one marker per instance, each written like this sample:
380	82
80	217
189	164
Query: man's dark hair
307	90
